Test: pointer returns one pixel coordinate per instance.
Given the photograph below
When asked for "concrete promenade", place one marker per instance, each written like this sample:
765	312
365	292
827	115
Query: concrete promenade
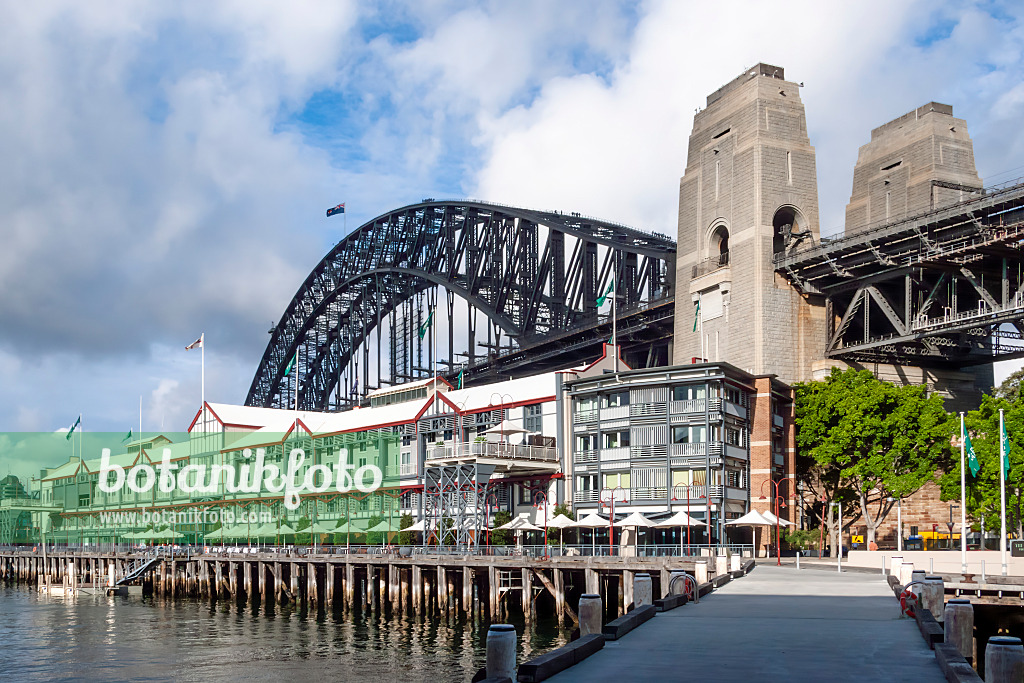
775	624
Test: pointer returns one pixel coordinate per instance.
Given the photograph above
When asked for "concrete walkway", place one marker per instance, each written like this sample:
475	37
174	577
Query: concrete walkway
775	624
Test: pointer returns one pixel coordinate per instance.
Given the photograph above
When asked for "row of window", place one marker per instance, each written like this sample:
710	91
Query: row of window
655	477
685	392
680	434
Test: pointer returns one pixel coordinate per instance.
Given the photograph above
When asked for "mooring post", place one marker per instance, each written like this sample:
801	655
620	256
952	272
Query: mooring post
959	626
933	595
501	651
643	590
559	596
1004	660
591	614
467	591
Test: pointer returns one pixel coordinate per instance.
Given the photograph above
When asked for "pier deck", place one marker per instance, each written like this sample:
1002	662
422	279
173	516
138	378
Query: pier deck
776	624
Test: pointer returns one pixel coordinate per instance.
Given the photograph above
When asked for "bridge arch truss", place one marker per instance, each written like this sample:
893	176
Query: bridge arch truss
455	285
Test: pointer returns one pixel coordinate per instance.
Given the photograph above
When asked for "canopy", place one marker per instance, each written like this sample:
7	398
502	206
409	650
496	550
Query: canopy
382	525
635	519
352	527
325	527
752	518
772	519
592	521
505	428
680	519
560	521
418	526
520	524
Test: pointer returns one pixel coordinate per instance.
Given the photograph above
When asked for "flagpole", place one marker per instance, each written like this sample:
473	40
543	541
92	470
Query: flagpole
202	370
963	496
700	318
1003	455
615	325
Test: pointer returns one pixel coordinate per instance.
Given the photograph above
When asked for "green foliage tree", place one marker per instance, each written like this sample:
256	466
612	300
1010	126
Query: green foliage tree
501	536
865	441
339	537
374	537
564	509
983	490
406	537
1010	388
302	535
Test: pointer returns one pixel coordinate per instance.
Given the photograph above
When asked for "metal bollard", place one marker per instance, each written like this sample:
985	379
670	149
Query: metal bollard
798	559
591	610
959	626
1004	660
643	591
983	572
933	595
501	651
700	572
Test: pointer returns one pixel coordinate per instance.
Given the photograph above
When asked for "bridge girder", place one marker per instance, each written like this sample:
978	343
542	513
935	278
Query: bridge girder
529	274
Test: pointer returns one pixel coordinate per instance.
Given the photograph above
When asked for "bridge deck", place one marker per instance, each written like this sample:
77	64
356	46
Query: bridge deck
773	625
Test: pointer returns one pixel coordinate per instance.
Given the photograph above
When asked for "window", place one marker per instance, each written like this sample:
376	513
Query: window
732	478
688	392
586	442
587	404
733	436
690	434
620	398
586	483
534	421
616	439
83	500
734	395
611	481
914	531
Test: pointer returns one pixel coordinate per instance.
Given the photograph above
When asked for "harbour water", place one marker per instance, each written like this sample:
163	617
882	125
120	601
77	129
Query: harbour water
150	639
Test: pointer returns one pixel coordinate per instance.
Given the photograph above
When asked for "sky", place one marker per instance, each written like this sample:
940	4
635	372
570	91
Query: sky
166	167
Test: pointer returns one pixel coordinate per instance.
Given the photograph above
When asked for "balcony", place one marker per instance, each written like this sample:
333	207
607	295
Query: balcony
693	405
494	450
585	496
584	456
698	448
710	265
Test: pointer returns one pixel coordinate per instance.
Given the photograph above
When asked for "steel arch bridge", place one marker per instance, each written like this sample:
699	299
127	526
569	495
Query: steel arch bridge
516	290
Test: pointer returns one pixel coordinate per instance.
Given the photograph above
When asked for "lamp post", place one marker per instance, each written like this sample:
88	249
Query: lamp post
951	524
611	515
501	403
778	501
674	497
541	498
487	506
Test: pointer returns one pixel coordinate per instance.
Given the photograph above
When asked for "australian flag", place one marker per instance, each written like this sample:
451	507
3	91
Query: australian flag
340	208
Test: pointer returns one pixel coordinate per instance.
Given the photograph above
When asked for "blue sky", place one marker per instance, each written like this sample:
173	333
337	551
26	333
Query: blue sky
168	165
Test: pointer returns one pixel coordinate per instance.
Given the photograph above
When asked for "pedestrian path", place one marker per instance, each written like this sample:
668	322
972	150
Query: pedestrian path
775	624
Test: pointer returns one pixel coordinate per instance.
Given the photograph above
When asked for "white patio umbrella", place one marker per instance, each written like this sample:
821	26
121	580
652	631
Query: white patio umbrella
592	521
680	519
751	519
520	524
506	428
773	519
417	526
560	522
635	519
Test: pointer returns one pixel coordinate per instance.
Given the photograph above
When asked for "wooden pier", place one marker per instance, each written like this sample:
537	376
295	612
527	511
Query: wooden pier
472	586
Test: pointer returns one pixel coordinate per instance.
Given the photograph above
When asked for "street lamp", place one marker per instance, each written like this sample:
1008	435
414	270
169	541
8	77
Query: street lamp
674	497
611	515
951	524
778	501
487	507
541	498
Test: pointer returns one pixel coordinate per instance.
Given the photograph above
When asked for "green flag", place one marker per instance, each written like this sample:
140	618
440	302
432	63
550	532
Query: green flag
127	437
1006	450
460	378
426	325
291	362
604	297
972	459
696	316
73	428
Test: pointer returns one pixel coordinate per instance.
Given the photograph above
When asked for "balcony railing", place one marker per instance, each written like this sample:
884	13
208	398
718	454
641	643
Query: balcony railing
585	456
693	405
493	449
710	265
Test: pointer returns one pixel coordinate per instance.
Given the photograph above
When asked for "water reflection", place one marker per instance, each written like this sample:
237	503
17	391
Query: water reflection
118	639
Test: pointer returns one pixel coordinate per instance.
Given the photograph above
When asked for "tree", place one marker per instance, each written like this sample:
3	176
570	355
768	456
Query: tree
983	491
869	441
302	535
1010	388
501	536
340	537
374	537
405	537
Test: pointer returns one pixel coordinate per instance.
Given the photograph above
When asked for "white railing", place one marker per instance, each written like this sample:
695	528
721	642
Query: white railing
614	413
621	453
646	409
585	496
584	456
494	449
693	405
585	416
699	448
